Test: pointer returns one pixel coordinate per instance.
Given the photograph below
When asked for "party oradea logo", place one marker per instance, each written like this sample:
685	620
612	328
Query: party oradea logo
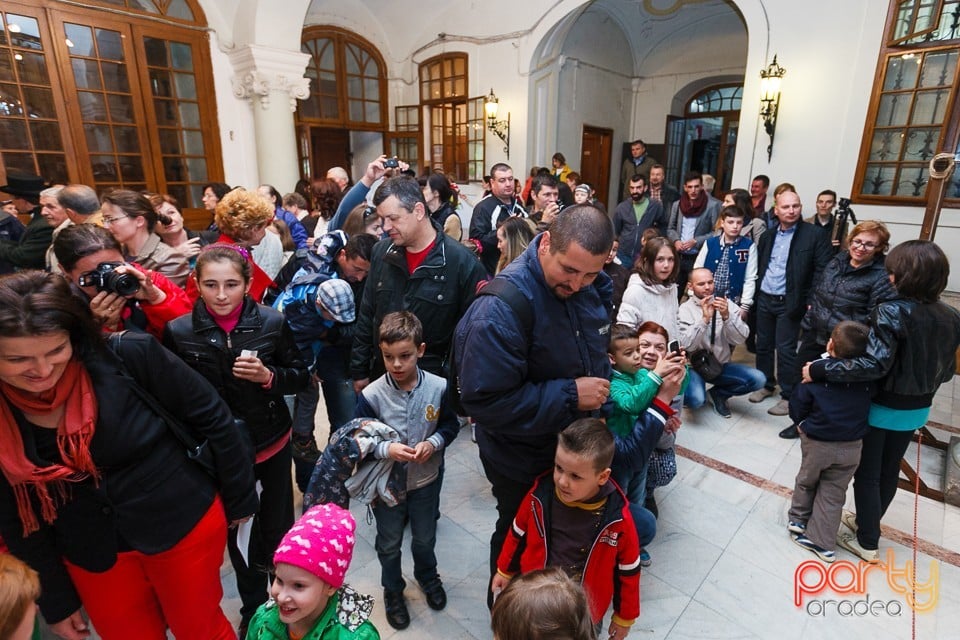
842	588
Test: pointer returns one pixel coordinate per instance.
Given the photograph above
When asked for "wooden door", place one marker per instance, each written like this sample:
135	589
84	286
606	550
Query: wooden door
596	145
329	148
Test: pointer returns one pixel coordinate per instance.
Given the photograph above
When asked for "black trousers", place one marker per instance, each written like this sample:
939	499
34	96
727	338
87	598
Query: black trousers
509	495
270	524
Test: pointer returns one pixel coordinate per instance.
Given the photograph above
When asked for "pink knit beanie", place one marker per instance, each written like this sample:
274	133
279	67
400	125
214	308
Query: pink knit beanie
320	542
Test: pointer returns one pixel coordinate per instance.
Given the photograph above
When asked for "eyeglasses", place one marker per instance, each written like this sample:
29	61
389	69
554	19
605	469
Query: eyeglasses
863	244
109	221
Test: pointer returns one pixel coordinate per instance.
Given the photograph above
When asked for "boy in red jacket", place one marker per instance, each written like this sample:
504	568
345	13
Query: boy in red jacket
579	520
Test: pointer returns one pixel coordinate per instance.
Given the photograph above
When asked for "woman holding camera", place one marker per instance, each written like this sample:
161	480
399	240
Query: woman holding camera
132	219
121	295
97	494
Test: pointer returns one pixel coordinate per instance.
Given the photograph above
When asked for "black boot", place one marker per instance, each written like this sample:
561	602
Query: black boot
396	606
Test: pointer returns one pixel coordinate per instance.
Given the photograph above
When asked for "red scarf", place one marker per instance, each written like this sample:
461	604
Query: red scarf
74	391
693	208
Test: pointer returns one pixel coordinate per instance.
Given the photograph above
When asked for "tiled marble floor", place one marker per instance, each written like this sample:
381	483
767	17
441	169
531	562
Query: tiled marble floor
723	564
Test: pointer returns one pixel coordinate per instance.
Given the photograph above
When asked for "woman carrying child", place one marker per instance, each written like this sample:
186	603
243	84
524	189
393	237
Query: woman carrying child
911	351
247	351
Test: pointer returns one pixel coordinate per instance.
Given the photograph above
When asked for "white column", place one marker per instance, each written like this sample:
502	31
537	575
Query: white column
272	81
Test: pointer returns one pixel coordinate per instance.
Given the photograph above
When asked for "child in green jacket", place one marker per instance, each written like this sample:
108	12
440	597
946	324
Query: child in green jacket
308	598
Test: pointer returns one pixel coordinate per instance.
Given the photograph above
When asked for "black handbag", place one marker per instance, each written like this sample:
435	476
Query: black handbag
197	450
705	364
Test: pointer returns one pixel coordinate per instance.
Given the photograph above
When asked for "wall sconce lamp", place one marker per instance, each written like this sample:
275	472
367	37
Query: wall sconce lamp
770	99
500	128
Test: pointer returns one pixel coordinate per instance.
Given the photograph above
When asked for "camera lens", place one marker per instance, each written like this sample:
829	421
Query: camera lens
122	284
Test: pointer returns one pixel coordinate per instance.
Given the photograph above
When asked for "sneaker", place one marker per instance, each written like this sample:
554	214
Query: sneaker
305	448
782	408
719	404
798	528
849	542
808	544
396	606
849	519
435	594
760	395
645	560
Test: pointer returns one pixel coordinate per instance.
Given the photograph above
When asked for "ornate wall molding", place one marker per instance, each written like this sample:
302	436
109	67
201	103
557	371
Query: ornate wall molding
262	71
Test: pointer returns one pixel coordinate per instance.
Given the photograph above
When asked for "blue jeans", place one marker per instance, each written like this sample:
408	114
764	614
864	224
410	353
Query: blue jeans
420	509
735	380
634	484
337	386
777	334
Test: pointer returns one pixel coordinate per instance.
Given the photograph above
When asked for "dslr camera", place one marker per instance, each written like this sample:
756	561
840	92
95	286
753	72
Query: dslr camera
105	278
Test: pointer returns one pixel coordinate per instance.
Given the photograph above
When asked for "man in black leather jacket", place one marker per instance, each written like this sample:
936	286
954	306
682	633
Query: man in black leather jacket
417	269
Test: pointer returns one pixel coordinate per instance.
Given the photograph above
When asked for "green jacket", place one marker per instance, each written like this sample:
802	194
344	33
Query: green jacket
346	617
631	395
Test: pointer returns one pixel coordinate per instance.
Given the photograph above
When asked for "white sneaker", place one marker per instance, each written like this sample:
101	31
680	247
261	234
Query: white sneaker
849	542
849	520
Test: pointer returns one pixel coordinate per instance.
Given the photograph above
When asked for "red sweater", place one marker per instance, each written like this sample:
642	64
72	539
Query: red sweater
612	572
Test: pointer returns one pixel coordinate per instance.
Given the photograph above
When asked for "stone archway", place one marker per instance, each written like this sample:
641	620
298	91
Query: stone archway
663	41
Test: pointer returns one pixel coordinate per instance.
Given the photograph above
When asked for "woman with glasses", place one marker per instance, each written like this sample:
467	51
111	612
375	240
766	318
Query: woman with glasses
854	282
131	219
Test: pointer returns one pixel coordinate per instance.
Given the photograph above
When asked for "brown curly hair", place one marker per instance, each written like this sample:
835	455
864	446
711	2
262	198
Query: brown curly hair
241	213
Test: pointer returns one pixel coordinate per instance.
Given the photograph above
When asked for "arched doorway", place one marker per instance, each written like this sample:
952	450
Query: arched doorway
628	85
705	138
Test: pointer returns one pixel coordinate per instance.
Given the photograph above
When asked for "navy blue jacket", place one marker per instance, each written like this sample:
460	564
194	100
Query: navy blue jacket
832	411
518	385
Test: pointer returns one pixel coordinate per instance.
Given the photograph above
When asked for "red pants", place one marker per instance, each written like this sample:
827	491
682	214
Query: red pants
141	595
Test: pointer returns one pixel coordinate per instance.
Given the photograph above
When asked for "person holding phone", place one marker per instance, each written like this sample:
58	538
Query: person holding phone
247	351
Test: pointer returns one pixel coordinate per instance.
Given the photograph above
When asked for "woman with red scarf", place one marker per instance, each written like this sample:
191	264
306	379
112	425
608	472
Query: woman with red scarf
97	494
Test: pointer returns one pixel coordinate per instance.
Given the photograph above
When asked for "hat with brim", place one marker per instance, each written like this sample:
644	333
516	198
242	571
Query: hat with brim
24	184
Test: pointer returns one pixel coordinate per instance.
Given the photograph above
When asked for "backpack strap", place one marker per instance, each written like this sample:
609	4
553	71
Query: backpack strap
511	294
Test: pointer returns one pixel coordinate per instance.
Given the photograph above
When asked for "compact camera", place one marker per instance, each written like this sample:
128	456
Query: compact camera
391	163
105	278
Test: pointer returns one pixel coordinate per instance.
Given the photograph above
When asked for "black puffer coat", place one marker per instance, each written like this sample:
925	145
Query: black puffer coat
912	350
203	345
846	293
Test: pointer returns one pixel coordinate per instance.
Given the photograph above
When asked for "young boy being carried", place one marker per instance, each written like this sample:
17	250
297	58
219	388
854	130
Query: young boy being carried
586	518
832	420
411	401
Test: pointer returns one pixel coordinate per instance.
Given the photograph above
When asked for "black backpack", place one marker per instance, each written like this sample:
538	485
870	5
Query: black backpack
521	306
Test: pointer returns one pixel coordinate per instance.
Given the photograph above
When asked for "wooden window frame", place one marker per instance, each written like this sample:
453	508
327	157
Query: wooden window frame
51	17
949	128
340	38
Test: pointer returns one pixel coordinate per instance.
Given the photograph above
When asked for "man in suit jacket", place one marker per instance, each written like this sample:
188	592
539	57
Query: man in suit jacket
790	259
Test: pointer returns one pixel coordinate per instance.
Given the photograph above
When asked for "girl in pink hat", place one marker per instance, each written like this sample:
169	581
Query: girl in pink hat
309	600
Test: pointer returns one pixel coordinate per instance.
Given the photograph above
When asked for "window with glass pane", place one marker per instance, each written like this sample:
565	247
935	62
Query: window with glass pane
30	139
716	99
407	148
912	111
407	118
105	98
180	9
443	78
476	132
346	80
173	85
